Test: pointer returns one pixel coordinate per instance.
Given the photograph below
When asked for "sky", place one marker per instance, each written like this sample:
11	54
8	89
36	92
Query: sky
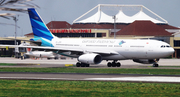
69	10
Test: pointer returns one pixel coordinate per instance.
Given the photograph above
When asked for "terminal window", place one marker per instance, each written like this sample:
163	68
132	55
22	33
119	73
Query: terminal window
9	42
77	34
176	43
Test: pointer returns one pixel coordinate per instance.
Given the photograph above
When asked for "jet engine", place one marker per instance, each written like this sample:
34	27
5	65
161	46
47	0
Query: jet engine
146	61
90	58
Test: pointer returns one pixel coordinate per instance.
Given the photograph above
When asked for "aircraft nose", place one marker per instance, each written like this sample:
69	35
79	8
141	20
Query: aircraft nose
171	51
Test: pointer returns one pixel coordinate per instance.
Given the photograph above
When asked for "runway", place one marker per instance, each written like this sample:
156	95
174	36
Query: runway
44	63
92	77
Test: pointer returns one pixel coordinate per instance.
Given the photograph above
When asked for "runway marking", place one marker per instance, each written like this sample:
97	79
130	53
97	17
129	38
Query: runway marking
131	79
35	78
145	79
68	65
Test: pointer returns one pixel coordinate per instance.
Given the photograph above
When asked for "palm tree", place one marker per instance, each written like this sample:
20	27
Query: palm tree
25	3
15	5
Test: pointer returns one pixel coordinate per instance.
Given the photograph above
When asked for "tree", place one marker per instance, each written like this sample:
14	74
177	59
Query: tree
15	5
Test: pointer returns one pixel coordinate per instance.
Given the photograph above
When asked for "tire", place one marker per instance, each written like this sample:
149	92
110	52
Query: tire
21	57
118	64
155	65
78	64
83	64
56	58
87	65
113	64
109	64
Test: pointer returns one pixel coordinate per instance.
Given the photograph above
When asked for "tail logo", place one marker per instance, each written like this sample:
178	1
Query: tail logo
38	26
122	42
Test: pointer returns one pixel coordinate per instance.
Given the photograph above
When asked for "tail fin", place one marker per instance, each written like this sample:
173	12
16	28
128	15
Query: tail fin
38	26
29	50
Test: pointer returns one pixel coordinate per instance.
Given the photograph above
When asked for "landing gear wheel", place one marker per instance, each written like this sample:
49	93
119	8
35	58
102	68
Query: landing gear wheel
118	64
78	64
87	65
113	64
56	58
22	58
155	65
83	65
109	64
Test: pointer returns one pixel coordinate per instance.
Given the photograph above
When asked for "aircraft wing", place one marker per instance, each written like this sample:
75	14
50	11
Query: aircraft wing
42	47
64	49
35	42
103	52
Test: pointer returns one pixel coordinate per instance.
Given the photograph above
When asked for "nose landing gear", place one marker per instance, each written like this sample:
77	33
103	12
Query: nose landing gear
155	65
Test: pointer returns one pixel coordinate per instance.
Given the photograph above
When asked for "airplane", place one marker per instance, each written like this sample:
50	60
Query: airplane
36	54
41	54
94	51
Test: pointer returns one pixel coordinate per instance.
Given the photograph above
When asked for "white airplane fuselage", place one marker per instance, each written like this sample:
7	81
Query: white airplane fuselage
129	49
41	54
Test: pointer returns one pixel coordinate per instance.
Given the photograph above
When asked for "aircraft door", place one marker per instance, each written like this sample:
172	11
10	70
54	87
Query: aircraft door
149	50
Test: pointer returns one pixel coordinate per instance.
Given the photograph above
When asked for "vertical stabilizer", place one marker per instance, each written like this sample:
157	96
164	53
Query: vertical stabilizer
29	50
38	26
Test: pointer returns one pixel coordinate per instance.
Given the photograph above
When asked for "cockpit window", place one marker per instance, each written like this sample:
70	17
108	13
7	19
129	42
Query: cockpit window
165	46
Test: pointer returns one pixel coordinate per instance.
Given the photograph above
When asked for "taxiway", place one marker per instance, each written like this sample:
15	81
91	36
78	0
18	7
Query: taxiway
44	63
91	77
163	63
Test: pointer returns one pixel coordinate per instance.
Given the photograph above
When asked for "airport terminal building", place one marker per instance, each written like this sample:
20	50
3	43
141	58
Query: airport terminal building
100	24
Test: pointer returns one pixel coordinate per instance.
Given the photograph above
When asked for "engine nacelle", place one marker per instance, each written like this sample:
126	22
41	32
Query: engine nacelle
90	58
146	61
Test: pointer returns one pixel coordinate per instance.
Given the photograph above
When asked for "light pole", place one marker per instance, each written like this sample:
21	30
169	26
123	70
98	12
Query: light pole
15	20
114	17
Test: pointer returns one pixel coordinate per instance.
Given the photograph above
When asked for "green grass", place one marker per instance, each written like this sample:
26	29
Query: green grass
40	88
7	64
170	66
95	70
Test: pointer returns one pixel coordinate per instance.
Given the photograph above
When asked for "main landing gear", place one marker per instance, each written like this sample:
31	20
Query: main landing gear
114	64
78	64
109	64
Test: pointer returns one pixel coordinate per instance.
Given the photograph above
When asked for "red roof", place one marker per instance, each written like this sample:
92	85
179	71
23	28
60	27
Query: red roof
58	25
169	27
143	28
28	34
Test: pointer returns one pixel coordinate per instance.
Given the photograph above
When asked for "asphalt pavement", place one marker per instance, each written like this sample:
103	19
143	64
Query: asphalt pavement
44	63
